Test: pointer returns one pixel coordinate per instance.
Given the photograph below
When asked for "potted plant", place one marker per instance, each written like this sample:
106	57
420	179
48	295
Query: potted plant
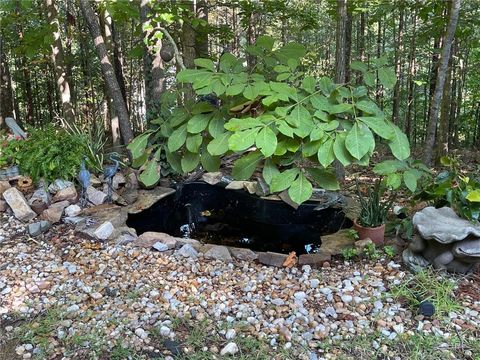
373	212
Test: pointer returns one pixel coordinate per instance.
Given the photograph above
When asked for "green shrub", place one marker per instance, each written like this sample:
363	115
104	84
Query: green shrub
50	154
349	253
8	151
290	125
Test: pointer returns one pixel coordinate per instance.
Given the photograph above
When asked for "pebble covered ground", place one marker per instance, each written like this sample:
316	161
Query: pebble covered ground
62	297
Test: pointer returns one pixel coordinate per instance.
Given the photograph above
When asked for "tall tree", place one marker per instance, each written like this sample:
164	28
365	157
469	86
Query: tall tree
341	42
6	96
398	68
59	62
108	72
440	82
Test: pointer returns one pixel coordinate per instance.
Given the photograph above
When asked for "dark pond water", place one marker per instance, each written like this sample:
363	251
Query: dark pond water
213	214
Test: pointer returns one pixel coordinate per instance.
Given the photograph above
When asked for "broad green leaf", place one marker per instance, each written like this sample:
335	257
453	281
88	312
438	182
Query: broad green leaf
205	63
410	180
138	145
326	85
281	148
310	148
360	91
236	124
190	161
269	171
388	166
290	51
242	140
198	123
216	127
209	162
218	87
320	102
340	151
340	108
369	79
151	175
305	127
379	126
202	107
219	145
359	140
300	190
174	160
325	153
193	142
227	61
139	161
251	92
284	180
191	75
359	66
178	138
283	76
246	165
324	178
265	42
394	180
235	89
330	126
473	196
308	84
266	141
297	115
387	77
285	129
316	134
399	143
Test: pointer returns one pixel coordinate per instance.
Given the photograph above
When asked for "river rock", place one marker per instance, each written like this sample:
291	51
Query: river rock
230	349
243	254
3	206
443	225
272	258
39	200
58	185
218	252
19	205
118	180
96	197
334	244
69	194
149	238
104	231
4	185
314	260
54	212
73	210
38	227
187	251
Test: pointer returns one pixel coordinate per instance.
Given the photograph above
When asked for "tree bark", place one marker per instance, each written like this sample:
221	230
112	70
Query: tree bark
188	45
398	69
441	143
108	72
6	93
410	82
440	82
341	42
59	63
201	41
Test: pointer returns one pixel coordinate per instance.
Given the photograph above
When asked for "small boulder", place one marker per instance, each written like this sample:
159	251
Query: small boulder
314	260
334	244
212	178
159	246
149	238
243	254
3	206
218	252
58	185
230	349
118	180
39	200
19	205
272	258
54	212
69	194
73	210
95	196
4	185
38	227
187	251
235	185
104	231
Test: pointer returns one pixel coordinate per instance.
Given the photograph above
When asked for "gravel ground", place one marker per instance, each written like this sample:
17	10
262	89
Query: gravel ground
62	297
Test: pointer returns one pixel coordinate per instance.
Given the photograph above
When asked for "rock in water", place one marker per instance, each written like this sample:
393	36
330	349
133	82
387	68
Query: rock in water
443	225
18	204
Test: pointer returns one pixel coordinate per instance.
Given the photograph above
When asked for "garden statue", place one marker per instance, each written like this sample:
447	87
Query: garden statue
108	174
84	180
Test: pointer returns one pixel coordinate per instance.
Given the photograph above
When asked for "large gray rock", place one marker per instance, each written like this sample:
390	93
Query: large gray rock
38	227
415	262
58	185
39	200
68	193
443	225
333	244
96	197
19	205
146	198
187	251
243	254
218	252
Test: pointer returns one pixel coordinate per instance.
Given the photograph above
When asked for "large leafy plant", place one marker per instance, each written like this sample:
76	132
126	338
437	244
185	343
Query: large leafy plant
452	188
271	115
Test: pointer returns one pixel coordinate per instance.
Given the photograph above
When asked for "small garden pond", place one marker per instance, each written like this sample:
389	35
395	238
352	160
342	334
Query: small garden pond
213	214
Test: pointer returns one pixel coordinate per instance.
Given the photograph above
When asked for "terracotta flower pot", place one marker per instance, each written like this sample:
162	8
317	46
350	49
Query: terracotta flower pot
376	234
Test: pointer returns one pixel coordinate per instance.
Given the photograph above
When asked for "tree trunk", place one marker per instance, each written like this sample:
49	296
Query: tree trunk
348	44
378	91
201	41
188	45
6	93
341	42
361	45
410	82
439	84
153	68
398	69
108	72
441	143
59	63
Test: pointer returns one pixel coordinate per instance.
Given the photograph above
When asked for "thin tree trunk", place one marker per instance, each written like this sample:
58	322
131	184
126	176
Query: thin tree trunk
59	63
398	69
201	41
442	72
108	72
411	75
441	143
341	42
6	93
